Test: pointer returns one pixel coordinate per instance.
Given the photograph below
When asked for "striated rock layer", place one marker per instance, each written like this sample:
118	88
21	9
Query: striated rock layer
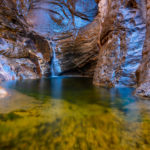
122	35
71	30
36	33
143	72
78	53
104	39
23	53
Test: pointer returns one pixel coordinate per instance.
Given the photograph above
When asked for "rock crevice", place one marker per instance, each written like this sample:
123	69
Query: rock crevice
122	38
104	39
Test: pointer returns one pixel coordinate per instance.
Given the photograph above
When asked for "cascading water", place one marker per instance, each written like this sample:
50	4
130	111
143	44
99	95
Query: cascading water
55	64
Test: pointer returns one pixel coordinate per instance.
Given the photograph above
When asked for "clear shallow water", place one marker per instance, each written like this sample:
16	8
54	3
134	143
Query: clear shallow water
72	114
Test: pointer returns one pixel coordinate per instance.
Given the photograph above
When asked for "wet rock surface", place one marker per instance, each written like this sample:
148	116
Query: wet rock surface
104	39
143	72
122	37
23	53
71	29
78	53
31	31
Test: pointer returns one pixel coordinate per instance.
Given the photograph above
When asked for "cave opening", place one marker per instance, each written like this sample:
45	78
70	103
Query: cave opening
73	17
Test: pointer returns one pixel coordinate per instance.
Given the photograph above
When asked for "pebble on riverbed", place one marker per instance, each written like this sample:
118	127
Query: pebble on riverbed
3	92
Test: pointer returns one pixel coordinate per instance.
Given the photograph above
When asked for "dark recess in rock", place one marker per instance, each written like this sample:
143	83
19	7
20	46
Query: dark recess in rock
103	39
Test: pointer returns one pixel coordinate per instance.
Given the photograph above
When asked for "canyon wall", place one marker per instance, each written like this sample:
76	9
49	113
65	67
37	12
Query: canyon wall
71	28
143	72
41	36
122	38
103	39
23	53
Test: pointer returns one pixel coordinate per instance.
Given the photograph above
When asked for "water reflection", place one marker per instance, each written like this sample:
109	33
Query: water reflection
75	90
79	91
72	114
56	88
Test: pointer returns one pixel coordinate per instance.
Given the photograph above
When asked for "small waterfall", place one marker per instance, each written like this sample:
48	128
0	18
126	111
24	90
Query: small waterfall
55	64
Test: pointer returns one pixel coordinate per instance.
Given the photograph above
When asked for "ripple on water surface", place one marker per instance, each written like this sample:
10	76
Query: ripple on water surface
72	114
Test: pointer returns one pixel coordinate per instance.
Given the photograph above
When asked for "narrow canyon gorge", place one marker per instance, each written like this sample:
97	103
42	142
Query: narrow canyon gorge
102	39
74	74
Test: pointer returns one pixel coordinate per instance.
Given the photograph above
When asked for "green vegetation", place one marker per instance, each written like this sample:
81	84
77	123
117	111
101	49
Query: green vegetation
60	125
71	114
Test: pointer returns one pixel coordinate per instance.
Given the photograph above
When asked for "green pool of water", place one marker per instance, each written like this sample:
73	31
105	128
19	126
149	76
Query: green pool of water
72	114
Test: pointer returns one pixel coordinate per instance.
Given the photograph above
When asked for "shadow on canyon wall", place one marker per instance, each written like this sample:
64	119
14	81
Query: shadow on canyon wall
106	40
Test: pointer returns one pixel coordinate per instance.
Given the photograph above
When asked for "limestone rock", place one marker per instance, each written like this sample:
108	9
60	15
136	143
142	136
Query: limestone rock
23	53
143	72
122	35
104	39
71	30
29	30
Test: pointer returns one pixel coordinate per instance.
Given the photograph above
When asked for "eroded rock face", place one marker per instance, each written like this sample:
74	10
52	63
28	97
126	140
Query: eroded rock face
78	53
23	53
143	72
101	38
122	36
32	29
49	17
72	33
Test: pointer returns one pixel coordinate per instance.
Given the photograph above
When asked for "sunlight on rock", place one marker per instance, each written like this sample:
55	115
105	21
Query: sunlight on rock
3	92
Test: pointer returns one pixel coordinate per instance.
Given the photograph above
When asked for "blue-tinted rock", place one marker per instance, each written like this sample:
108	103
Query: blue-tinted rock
122	39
